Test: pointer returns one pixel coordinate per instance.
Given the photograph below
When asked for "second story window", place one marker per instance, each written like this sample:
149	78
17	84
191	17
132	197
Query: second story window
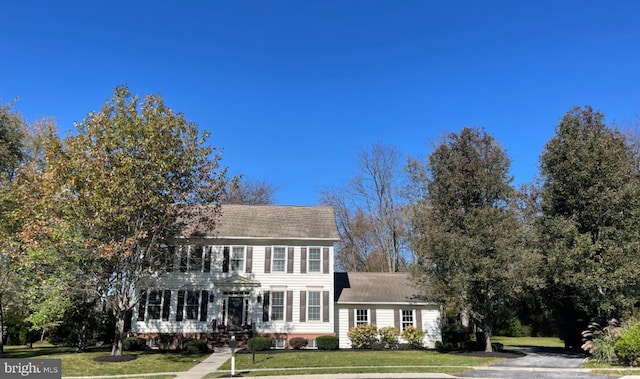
314	259
194	259
237	259
279	259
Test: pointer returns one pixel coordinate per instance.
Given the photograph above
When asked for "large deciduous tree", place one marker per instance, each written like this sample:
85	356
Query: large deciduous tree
590	222
116	190
371	214
12	129
464	229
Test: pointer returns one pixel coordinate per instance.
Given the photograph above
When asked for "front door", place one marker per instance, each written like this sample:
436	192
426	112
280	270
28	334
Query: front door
234	313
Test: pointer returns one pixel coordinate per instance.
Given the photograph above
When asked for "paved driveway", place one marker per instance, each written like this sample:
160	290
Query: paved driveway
538	363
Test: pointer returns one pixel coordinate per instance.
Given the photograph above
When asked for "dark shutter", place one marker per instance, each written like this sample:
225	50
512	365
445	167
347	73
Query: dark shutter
325	306
249	260
325	260
166	305
303	260
183	258
419	318
225	259
204	303
290	260
351	317
265	306
142	305
396	319
303	306
180	307
267	260
289	306
374	321
207	258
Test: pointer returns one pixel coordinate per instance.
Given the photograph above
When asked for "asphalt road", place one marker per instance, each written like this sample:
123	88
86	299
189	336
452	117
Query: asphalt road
538	363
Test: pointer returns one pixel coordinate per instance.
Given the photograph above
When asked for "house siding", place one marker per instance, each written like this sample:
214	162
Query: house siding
385	316
292	282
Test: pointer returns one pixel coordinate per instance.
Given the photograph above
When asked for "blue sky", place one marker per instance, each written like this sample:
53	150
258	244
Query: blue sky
291	90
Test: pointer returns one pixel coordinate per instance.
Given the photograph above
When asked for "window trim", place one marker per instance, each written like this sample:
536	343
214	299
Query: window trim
367	314
273	306
275	250
317	261
241	267
193	307
405	324
317	307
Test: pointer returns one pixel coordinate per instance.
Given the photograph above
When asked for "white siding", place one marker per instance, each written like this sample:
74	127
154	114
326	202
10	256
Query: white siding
385	317
282	281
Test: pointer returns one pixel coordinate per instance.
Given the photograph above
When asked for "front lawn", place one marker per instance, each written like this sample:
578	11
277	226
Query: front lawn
353	361
83	364
529	341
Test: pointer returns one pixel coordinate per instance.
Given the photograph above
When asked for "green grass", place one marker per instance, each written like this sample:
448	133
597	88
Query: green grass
83	364
342	370
347	361
529	341
275	363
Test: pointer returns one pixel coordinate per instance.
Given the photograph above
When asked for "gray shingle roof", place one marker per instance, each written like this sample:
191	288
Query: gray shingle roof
274	222
376	287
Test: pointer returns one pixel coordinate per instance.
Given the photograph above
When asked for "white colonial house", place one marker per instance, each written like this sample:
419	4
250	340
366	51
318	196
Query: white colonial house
268	265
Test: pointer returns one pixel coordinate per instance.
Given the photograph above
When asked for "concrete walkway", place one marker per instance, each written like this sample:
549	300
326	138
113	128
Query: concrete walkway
209	365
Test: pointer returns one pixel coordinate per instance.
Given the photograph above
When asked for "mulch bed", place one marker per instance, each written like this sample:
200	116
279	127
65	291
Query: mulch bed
115	358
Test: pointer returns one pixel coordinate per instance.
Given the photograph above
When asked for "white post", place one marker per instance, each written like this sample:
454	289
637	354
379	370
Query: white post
233	364
232	345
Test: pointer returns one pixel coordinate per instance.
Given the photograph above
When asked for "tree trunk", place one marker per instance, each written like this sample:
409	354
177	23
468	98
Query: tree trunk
486	330
116	349
1	328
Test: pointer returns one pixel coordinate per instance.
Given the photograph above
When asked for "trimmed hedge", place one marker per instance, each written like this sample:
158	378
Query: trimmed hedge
327	342
195	346
134	344
297	343
261	343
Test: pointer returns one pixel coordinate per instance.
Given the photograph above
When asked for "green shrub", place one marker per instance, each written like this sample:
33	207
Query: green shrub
363	336
389	337
327	343
195	346
414	336
298	343
134	344
441	347
470	345
627	347
261	343
497	346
